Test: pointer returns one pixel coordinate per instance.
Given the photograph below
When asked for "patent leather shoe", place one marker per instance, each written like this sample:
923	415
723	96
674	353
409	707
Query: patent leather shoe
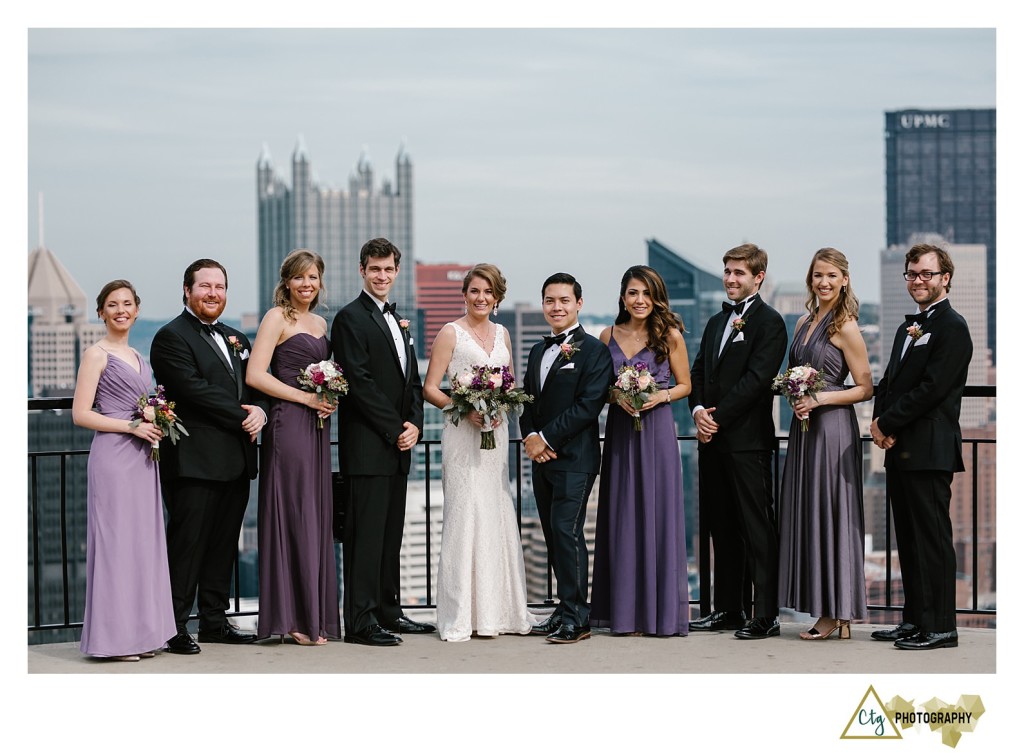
924	641
550	625
720	621
569	634
228	633
903	630
183	644
374	635
403	625
759	627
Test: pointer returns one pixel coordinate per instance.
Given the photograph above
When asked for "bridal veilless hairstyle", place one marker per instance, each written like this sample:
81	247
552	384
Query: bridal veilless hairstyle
662	318
109	288
297	262
492	276
847	307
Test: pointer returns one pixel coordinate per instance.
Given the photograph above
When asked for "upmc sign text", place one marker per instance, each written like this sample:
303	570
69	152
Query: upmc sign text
924	120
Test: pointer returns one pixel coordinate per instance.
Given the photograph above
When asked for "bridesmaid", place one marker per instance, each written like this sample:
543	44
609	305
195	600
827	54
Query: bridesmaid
297	569
821	506
128	611
640	577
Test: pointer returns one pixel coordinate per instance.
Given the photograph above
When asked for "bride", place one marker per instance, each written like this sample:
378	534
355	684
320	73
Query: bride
481	584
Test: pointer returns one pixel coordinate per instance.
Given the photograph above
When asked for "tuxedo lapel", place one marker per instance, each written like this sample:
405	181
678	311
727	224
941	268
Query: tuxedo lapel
755	304
927	326
207	338
576	336
236	368
378	318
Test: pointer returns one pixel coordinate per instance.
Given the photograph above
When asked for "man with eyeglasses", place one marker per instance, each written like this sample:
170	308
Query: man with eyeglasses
917	423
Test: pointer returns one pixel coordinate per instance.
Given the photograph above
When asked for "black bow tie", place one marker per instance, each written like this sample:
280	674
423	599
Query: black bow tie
389	308
550	340
737	307
212	329
920	318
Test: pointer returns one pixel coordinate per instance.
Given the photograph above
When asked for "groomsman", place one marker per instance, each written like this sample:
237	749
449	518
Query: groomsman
379	422
917	423
740	353
205	476
568	373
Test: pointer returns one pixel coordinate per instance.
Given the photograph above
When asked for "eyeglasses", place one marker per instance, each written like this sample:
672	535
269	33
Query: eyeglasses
926	276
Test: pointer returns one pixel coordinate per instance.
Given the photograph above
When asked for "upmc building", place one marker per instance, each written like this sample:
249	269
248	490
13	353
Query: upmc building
940	177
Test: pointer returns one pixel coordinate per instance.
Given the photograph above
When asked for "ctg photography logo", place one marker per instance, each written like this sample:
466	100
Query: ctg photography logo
875	720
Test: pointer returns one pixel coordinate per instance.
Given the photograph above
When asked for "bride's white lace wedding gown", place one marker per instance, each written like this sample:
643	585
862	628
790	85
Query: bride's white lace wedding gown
481	584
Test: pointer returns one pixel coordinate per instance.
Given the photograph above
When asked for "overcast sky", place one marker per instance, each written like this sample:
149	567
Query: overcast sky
538	150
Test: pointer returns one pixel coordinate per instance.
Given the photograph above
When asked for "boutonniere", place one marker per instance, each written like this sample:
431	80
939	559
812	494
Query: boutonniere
569	349
915	331
404	324
738	323
235	344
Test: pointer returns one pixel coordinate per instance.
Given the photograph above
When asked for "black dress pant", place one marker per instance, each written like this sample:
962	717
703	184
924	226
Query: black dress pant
924	537
203	522
736	498
562	505
374	522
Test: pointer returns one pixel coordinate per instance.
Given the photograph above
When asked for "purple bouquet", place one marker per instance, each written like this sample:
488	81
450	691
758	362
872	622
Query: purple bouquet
490	390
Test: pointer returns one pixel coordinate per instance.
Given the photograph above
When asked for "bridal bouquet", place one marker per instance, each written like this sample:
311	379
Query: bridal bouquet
490	390
796	382
157	409
636	383
325	379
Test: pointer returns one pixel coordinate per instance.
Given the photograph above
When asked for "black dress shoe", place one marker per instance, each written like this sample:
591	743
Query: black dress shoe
550	625
569	634
182	643
374	635
923	641
228	633
903	630
720	621
759	627
404	625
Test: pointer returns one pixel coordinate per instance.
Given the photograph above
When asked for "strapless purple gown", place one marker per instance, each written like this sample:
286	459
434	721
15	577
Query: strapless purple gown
640	583
297	570
127	588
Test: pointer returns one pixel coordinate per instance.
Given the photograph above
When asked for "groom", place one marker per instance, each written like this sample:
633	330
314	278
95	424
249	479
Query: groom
917	423
568	374
731	402
379	422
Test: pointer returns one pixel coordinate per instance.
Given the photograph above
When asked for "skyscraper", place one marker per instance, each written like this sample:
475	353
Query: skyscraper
334	223
940	177
58	330
439	292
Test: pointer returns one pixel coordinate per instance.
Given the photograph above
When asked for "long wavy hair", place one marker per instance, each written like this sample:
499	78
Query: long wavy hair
662	318
297	262
847	307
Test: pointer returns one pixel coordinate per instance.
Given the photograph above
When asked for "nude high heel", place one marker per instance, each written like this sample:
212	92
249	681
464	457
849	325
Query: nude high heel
843	626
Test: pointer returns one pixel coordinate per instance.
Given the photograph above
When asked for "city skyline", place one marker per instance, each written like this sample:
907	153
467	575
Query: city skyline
697	706
534	149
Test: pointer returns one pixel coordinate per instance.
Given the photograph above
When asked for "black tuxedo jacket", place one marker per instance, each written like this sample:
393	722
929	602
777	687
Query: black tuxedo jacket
381	398
918	398
566	410
208	395
738	383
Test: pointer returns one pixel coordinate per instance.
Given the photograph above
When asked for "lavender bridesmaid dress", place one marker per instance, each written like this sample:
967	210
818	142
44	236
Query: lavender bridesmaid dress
821	506
640	579
127	587
297	569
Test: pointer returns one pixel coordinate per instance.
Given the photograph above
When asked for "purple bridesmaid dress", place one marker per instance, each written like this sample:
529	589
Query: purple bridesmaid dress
127	587
297	569
640	580
821	505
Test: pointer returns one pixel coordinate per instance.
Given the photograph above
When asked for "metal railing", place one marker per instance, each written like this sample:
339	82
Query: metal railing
704	559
